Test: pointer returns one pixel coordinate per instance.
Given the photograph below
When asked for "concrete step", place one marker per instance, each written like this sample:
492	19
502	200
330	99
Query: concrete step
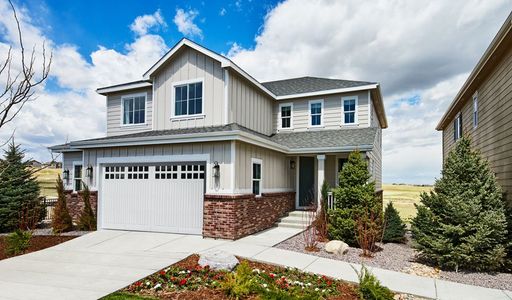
286	225
295	220
299	213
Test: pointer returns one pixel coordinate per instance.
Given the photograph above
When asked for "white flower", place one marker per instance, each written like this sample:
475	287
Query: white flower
317	289
148	283
188	271
323	291
256	271
308	284
264	285
182	272
157	286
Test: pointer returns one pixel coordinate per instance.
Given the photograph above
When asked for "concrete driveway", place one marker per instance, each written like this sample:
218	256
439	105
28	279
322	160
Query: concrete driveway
101	262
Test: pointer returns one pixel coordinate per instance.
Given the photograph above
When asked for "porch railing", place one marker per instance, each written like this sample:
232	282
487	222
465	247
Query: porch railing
330	200
49	204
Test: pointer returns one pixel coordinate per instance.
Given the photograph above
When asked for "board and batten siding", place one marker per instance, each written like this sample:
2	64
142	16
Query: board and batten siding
376	161
188	66
67	164
218	151
493	135
277	176
249	106
114	113
332	111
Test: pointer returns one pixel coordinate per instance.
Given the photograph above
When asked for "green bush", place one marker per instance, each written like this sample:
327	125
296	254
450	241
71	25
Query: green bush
240	283
461	224
341	226
394	231
61	219
17	242
370	288
87	220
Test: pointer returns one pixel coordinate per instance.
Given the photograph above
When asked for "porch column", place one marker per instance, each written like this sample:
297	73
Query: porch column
320	178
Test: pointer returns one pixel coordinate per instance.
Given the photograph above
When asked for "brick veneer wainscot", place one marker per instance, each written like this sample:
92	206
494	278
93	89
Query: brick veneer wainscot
235	216
76	204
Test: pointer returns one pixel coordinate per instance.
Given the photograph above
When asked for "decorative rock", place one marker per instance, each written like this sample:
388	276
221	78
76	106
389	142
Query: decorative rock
218	260
336	247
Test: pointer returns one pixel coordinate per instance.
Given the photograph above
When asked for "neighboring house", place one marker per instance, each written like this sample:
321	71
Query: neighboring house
35	164
201	147
482	109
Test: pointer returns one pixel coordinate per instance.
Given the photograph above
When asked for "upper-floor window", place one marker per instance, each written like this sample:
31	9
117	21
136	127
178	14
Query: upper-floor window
188	100
457	127
349	110
285	115
315	112
134	109
475	110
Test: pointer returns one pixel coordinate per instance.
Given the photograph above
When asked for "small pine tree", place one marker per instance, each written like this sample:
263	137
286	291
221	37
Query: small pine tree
87	220
462	223
19	189
61	220
394	231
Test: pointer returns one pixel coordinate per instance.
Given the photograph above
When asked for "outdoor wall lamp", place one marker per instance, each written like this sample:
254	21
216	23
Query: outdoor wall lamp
216	169
65	175
292	164
88	172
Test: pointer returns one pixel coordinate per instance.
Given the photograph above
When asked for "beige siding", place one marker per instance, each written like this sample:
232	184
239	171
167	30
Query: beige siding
114	114
493	136
190	65
332	114
276	175
67	164
218	151
249	106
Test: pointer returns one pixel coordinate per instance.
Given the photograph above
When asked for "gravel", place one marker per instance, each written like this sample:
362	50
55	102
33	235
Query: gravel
402	258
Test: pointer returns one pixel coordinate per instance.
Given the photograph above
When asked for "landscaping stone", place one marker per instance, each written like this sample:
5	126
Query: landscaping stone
218	260
336	247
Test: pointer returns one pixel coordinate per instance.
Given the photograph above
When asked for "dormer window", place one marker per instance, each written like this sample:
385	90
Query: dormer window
349	110
188	99
134	109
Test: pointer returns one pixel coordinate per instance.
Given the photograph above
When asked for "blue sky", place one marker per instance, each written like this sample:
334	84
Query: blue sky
420	52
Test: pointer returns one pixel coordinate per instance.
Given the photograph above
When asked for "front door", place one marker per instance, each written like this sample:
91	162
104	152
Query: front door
306	181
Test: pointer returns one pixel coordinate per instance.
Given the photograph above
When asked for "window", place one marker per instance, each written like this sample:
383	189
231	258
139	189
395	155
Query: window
77	177
349	110
285	111
457	127
315	112
134	109
475	110
188	99
256	177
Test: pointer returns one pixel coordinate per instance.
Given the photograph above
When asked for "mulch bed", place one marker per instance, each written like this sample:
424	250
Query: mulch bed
37	242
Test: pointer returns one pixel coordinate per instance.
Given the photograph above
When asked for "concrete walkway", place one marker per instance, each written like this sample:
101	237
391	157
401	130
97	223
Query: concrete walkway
102	262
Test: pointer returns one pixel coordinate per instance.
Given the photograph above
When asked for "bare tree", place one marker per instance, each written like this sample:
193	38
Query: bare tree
20	87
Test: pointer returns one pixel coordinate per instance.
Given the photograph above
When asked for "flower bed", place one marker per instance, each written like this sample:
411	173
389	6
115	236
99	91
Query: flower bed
37	243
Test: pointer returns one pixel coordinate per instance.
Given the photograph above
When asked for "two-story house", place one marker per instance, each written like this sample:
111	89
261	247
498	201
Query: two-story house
482	109
199	146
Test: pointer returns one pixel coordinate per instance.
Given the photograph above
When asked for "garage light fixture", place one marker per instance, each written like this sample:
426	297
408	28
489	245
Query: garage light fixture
216	169
292	164
88	172
65	175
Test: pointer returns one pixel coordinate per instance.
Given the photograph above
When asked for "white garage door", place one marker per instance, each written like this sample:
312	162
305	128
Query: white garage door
165	197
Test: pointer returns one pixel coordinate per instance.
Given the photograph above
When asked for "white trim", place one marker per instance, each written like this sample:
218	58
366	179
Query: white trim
77	163
322	113
226	96
153	95
356	112
475	114
326	92
123	87
279	116
232	166
173	99
369	109
260	162
133	96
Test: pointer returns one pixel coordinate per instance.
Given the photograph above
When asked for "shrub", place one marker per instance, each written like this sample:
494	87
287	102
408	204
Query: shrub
341	226
17	242
87	220
240	283
370	288
61	220
394	230
321	218
462	222
368	230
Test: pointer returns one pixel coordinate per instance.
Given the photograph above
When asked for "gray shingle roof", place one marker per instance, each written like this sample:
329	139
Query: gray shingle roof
309	84
341	138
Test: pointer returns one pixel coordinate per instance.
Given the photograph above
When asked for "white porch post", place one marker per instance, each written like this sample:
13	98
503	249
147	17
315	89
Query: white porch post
320	178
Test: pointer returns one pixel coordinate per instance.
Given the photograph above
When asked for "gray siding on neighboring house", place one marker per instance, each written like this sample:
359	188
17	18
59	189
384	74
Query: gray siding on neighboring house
277	175
218	151
332	114
114	113
249	106
493	135
67	164
188	65
376	161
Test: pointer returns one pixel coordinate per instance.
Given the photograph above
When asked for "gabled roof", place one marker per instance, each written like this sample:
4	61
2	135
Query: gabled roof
489	60
305	85
124	87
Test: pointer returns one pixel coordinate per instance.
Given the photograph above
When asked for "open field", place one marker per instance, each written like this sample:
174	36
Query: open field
403	198
46	179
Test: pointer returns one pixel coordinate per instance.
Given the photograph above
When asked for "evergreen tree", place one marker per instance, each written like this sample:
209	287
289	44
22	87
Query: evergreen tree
394	231
61	220
87	220
462	223
19	189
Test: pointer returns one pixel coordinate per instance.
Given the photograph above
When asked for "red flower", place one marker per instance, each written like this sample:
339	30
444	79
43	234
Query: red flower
183	282
329	282
162	272
272	275
138	283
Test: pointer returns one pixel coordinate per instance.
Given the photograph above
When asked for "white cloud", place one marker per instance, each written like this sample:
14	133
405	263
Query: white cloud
222	12
142	24
184	20
422	49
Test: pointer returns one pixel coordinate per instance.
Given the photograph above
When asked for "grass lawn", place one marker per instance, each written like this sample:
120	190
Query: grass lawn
403	198
46	179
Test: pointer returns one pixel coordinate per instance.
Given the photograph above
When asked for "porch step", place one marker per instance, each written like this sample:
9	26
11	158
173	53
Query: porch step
295	219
